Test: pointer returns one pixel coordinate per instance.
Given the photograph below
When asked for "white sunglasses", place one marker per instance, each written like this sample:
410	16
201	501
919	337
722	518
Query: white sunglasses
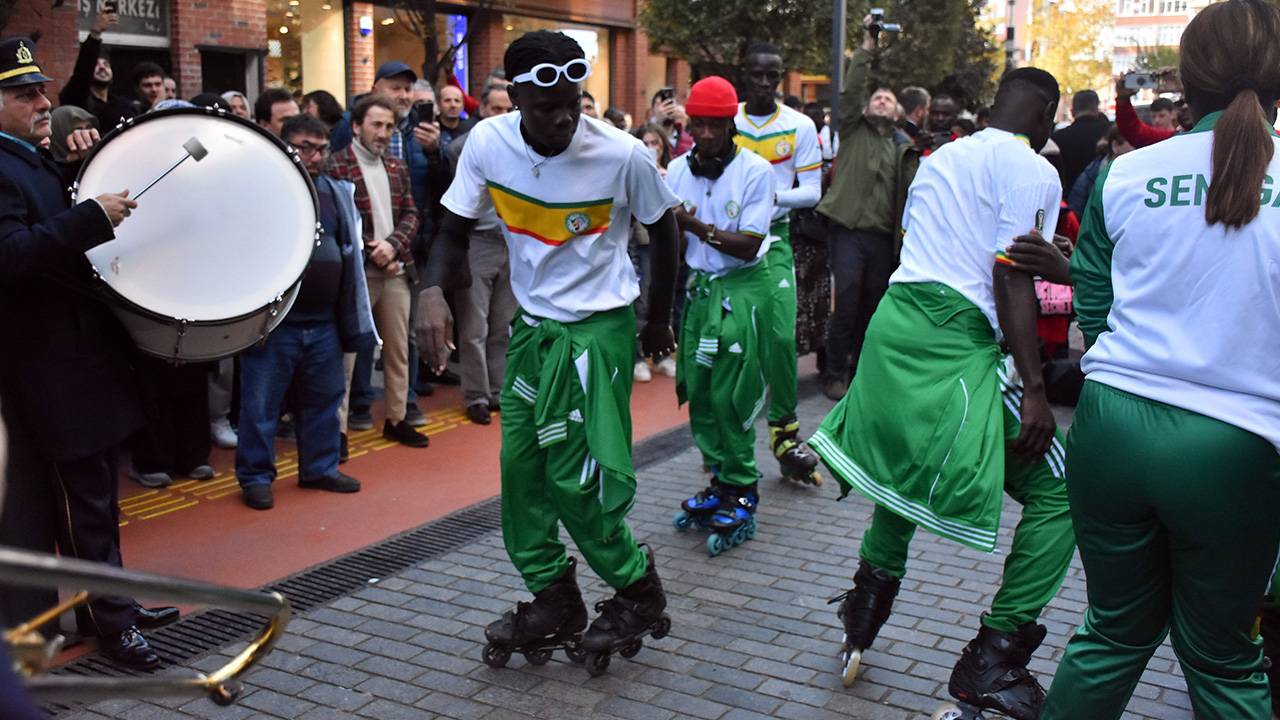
548	74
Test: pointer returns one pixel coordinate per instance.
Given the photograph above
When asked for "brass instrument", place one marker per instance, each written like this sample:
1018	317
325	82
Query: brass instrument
32	654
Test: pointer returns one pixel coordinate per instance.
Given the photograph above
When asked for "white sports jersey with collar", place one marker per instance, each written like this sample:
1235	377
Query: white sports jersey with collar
740	200
1194	320
788	141
567	226
968	202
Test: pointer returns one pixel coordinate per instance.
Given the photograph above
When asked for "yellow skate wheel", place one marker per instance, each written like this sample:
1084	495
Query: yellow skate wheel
851	663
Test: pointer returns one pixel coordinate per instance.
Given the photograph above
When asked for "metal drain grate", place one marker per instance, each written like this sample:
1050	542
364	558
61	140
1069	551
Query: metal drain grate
211	630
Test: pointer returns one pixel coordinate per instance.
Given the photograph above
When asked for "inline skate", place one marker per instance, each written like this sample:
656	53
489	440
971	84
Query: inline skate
863	611
795	460
553	621
992	675
625	619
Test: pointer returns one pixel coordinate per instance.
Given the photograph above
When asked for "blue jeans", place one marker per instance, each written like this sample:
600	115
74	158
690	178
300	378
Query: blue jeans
307	356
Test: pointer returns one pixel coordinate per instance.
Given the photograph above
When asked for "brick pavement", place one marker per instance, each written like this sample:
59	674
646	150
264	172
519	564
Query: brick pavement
752	637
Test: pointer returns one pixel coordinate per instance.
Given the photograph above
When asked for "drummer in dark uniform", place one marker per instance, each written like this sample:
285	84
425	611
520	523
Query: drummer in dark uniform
66	386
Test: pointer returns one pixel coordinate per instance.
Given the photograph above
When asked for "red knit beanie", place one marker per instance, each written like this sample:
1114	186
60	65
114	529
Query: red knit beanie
712	97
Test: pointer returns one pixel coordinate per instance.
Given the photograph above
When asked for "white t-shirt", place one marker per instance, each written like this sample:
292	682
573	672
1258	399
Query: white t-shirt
566	226
740	200
788	141
1195	317
968	202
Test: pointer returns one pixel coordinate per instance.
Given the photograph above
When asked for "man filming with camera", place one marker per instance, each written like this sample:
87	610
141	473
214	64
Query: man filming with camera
873	169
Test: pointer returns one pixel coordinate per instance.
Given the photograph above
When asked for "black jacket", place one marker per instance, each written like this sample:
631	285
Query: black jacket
1078	143
77	91
66	383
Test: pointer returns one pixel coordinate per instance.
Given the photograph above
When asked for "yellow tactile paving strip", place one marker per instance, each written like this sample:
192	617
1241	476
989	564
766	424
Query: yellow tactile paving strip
190	493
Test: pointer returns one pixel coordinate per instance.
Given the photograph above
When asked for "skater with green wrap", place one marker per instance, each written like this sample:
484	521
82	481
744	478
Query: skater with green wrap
728	201
1173	471
936	427
788	140
565	188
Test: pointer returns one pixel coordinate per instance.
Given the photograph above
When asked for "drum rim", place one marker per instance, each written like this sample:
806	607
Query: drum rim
132	122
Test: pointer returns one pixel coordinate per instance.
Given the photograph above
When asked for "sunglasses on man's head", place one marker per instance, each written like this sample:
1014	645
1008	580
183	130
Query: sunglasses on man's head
548	74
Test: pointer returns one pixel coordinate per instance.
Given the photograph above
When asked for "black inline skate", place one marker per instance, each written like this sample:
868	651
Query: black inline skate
553	621
863	611
795	460
992	676
625	619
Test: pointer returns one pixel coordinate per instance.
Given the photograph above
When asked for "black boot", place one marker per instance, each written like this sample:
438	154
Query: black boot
863	611
625	618
992	672
556	611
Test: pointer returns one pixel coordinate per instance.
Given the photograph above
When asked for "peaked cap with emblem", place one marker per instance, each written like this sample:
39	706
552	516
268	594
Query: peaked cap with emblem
18	63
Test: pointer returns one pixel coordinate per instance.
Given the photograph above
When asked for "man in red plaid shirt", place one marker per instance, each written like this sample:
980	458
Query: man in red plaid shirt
390	222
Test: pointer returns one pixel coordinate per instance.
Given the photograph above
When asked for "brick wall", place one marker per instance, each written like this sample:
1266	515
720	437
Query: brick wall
59	43
225	23
487	46
360	65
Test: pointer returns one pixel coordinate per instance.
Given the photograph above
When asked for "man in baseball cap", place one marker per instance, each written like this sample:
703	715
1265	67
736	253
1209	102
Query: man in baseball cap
69	394
728	205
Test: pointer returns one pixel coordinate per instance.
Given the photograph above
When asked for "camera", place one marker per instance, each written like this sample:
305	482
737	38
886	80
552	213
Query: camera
878	25
1140	81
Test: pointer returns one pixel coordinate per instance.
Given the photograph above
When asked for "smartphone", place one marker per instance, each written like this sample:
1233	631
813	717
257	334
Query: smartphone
425	111
1140	81
111	6
666	94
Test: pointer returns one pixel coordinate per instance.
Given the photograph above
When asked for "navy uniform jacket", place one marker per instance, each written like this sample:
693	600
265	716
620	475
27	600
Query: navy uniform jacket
66	384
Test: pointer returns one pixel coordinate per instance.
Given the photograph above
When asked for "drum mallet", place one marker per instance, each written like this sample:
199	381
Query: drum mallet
193	149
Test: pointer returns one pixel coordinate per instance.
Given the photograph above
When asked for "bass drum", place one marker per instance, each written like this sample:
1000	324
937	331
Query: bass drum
212	258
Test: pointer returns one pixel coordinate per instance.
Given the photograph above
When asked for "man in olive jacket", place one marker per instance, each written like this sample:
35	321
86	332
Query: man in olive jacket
873	170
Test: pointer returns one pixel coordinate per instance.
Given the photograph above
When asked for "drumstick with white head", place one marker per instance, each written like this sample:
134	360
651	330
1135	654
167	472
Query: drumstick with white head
193	149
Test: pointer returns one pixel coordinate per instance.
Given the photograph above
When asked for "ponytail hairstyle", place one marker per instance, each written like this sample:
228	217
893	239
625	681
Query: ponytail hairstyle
1231	62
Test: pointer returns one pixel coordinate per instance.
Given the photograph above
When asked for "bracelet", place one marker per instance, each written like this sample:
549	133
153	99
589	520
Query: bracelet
710	239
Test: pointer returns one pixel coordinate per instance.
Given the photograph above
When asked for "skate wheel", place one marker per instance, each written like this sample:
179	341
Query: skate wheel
661	628
682	521
496	656
631	650
597	663
948	712
537	657
575	653
816	479
716	544
851	662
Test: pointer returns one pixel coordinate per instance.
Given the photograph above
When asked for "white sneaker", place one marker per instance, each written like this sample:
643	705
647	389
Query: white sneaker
641	373
667	366
221	433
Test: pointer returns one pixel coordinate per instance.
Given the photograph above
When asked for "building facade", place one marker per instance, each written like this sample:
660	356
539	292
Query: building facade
336	45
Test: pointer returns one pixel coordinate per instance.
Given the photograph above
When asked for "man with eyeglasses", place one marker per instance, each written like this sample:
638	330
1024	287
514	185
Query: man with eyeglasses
788	139
565	187
330	316
66	384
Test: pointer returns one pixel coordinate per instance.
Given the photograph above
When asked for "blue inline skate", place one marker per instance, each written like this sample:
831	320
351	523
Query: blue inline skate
728	511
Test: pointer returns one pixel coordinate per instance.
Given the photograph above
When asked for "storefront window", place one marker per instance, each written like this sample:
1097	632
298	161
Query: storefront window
594	41
394	40
305	46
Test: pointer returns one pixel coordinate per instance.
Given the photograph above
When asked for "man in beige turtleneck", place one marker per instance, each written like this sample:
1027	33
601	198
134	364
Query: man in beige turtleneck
390	221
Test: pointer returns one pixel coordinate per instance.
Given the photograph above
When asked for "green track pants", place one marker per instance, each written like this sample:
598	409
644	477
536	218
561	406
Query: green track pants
718	368
779	349
1043	542
1175	518
566	447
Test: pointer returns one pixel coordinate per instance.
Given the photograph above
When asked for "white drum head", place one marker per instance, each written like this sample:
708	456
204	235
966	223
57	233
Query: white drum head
216	239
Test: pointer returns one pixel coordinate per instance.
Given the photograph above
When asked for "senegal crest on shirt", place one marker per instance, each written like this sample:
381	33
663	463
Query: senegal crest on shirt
732	209
776	147
550	223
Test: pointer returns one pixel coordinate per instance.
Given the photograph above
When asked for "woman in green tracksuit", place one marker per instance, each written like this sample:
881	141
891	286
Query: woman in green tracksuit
1172	464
